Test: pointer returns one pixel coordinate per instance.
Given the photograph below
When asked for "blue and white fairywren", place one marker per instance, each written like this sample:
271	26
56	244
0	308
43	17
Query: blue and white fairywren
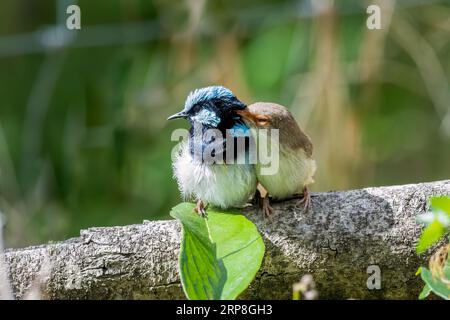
220	183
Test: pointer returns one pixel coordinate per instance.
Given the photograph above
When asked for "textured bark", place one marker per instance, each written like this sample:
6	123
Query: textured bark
336	241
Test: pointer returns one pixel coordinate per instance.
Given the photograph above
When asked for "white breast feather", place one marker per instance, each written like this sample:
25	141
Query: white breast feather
222	185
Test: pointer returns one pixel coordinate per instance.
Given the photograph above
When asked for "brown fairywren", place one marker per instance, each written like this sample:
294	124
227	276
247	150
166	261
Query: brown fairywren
296	164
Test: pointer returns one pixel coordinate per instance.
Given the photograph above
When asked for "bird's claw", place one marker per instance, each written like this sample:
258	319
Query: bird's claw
266	208
306	200
200	208
264	204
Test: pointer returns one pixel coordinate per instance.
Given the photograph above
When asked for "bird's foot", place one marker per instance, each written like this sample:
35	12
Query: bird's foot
266	208
262	200
306	201
200	208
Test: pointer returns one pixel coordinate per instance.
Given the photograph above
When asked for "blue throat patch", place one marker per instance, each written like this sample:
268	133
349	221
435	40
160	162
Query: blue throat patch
238	130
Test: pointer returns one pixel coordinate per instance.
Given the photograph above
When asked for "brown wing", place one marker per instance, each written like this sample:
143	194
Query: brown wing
281	118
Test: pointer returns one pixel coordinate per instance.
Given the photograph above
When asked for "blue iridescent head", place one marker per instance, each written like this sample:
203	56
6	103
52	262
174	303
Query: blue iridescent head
211	106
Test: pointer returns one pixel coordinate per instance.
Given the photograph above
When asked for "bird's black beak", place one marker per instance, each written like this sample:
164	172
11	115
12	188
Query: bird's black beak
180	114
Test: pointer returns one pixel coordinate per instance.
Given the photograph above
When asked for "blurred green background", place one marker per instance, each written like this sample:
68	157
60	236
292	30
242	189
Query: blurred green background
83	136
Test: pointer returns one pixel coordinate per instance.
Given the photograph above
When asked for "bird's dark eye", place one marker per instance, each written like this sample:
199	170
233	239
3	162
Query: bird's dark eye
195	109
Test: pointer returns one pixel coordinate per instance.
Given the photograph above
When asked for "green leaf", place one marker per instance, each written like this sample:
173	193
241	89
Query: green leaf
439	286
419	271
425	292
429	217
220	255
430	235
440	211
441	203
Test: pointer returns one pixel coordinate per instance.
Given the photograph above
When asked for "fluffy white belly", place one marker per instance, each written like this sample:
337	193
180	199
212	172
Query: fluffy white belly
222	185
295	171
